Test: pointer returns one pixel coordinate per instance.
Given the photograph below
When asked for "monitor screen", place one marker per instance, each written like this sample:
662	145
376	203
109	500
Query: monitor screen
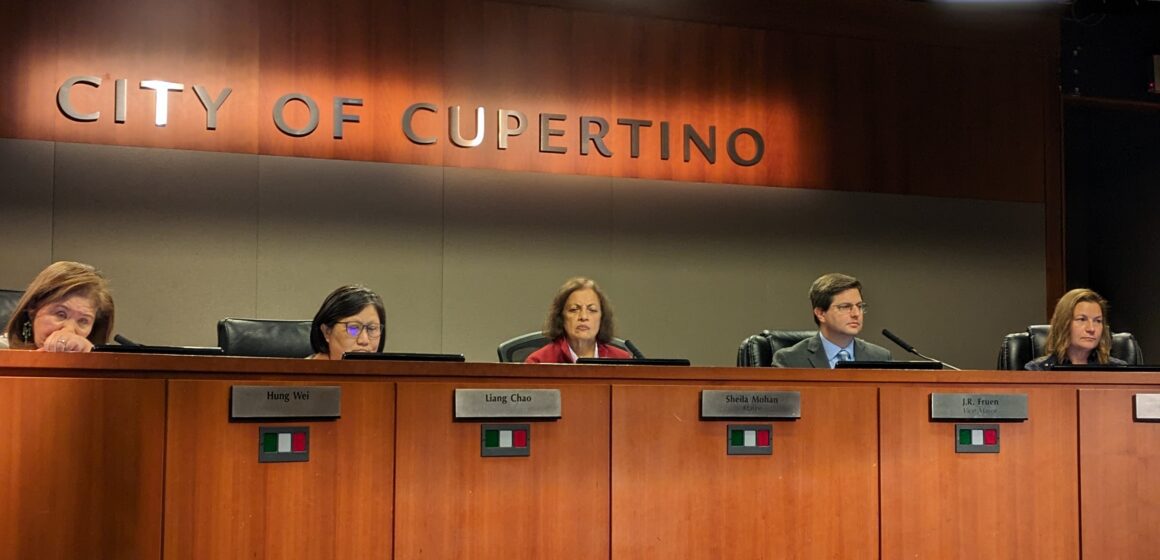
143	349
634	362
403	356
916	364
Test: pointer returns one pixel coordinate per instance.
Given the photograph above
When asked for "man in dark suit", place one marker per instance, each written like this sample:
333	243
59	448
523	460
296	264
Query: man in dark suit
838	312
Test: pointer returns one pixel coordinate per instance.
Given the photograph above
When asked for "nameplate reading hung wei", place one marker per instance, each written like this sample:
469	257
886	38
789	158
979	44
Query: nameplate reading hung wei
751	404
507	403
283	401
1146	407
977	406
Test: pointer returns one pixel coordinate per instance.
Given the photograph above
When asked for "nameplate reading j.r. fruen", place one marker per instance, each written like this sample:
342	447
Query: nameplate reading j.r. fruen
717	403
507	403
283	401
978	406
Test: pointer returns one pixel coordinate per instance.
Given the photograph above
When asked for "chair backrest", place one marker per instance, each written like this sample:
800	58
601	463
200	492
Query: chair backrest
517	349
1020	348
265	338
8	301
757	350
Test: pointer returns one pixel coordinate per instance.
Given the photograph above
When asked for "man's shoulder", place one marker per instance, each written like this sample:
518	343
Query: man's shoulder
800	346
797	355
870	352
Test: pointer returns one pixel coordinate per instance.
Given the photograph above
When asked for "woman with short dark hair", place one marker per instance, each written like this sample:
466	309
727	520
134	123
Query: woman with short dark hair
66	308
351	319
579	324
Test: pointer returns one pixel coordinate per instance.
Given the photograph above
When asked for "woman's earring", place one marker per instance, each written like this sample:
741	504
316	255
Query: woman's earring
26	331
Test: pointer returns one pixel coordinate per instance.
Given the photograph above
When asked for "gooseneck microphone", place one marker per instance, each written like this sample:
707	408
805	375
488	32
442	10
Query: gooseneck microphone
632	348
124	341
909	348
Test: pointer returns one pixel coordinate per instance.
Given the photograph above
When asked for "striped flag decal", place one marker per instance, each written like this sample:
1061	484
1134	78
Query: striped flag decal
749	439
976	438
505	440
278	444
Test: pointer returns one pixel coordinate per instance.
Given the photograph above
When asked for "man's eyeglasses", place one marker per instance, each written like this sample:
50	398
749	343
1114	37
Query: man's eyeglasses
373	330
848	308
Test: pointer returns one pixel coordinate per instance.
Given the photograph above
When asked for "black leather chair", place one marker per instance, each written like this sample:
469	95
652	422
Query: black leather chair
758	350
519	348
8	301
264	338
1022	347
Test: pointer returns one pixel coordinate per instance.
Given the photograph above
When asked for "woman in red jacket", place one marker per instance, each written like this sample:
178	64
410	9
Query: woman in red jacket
579	324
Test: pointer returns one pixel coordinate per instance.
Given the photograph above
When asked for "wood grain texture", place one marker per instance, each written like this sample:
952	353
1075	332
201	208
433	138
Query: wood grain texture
676	494
81	466
881	105
1019	503
1118	461
453	504
221	503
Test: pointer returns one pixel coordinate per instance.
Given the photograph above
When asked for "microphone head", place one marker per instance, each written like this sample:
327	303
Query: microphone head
898	341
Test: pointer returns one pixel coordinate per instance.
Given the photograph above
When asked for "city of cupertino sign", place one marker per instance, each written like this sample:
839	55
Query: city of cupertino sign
590	130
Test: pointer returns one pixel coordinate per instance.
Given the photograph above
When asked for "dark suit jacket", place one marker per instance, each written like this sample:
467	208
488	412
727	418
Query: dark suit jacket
810	353
556	352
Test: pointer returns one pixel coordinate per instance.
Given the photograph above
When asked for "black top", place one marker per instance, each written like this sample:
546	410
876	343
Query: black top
1048	362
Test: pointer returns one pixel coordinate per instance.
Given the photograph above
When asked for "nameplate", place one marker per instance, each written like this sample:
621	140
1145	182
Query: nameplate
282	401
507	403
1147	407
751	404
977	406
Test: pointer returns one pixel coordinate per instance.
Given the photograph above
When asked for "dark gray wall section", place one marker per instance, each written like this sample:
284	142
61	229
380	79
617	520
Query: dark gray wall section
323	224
175	231
26	197
467	258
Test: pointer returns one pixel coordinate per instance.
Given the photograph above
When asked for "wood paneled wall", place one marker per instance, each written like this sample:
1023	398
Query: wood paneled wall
883	105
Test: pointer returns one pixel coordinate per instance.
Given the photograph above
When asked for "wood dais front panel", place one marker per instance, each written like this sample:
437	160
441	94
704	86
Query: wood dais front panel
676	494
1017	504
451	503
1119	463
81	465
221	503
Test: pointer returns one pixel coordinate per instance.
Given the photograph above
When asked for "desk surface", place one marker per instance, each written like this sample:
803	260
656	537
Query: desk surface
27	363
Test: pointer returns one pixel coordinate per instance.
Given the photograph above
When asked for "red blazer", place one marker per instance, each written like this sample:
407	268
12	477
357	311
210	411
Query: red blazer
556	352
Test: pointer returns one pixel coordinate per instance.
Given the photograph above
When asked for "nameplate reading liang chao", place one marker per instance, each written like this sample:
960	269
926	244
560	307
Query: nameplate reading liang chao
1146	407
281	401
507	403
977	406
751	404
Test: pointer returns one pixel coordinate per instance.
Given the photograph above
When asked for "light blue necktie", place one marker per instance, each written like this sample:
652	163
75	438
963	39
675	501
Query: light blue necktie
843	356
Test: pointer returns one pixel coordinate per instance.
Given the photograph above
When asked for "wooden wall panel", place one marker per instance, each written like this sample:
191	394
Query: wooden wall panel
213	44
221	503
1118	462
81	466
871	111
1019	503
676	494
453	504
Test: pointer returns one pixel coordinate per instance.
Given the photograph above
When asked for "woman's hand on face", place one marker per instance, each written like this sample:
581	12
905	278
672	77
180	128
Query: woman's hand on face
65	341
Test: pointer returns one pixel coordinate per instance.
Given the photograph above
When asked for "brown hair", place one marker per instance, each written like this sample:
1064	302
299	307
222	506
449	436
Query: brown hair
1059	334
823	290
554	327
60	280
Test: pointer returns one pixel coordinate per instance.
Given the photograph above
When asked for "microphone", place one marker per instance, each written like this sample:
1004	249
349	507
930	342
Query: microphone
632	348
902	343
124	341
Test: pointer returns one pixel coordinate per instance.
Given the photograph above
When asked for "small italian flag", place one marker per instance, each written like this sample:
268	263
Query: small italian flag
284	442
278	444
749	437
977	436
503	438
